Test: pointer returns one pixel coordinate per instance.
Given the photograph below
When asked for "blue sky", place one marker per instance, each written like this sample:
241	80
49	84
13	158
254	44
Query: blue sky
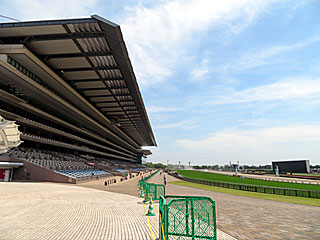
232	80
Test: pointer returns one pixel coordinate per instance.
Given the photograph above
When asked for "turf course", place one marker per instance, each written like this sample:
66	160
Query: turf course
231	179
280	198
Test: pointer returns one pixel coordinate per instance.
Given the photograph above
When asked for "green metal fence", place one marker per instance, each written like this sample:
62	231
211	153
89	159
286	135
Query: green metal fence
187	217
142	183
154	190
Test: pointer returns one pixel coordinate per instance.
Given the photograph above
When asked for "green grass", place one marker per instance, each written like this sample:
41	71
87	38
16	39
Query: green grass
307	174
297	200
231	179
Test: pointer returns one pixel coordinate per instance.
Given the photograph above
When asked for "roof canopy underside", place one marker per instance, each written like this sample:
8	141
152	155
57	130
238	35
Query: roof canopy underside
90	55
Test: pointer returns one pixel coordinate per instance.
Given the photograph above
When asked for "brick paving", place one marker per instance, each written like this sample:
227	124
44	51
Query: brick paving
62	211
130	187
57	211
251	218
51	211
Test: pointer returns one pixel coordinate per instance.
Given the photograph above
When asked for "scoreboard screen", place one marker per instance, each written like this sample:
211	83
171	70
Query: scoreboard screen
294	166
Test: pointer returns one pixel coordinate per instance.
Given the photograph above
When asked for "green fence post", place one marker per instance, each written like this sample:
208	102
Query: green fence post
187	216
214	220
192	218
167	222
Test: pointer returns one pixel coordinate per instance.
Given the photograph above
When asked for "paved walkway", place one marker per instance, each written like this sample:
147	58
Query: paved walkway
251	218
130	187
51	211
32	211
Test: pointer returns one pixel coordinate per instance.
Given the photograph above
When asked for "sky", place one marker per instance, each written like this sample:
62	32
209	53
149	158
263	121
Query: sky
232	80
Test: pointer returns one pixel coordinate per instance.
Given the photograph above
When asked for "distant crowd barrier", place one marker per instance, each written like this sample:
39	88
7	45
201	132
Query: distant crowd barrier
266	178
255	188
284	180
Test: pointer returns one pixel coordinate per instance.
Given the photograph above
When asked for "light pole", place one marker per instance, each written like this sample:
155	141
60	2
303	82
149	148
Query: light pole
277	171
168	163
237	168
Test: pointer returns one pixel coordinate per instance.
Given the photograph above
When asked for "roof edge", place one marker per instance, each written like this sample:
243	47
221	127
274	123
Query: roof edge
99	18
118	37
45	22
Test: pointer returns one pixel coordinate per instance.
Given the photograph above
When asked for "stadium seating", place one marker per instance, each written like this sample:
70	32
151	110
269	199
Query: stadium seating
51	160
83	173
74	166
121	170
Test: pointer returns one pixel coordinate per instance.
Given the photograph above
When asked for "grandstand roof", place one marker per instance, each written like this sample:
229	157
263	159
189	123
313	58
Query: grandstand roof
90	55
145	152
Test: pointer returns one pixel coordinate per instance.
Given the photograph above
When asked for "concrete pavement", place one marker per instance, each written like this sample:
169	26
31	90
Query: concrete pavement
52	211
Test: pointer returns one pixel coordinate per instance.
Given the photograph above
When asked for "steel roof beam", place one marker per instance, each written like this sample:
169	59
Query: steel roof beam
110	107
96	79
111	111
73	55
112	101
120	95
87	68
52	37
113	88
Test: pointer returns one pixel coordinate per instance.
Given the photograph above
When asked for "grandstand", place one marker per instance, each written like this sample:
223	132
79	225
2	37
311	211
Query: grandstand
70	87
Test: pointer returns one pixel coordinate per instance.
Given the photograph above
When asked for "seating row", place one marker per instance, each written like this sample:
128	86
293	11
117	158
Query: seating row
83	173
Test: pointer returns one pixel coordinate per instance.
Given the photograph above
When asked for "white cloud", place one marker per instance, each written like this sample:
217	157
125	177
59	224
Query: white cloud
256	146
173	125
198	73
155	109
287	89
186	125
254	138
201	71
157	38
48	9
260	57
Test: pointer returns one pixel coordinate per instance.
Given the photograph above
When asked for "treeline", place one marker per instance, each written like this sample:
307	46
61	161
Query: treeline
213	167
156	165
227	166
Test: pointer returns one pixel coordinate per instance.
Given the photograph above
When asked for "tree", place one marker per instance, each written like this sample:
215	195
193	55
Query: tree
149	164
155	165
159	165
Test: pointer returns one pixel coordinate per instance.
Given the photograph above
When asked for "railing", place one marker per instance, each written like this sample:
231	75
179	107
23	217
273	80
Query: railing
151	189
283	180
187	217
182	217
255	188
154	191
